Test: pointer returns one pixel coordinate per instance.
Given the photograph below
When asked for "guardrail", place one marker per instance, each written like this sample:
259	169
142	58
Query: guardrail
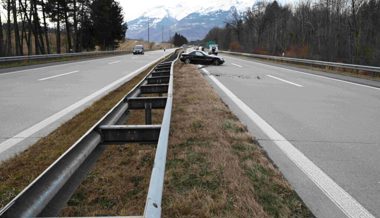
156	185
54	56
373	69
50	191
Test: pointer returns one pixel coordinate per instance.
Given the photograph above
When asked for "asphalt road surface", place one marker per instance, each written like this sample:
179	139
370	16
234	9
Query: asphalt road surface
33	102
322	133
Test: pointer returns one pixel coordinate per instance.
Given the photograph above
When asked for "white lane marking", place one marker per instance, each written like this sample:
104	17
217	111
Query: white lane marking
237	65
44	123
59	75
114	62
58	65
338	195
309	74
285	81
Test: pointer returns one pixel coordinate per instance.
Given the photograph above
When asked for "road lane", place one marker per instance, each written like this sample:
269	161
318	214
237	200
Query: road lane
335	124
26	102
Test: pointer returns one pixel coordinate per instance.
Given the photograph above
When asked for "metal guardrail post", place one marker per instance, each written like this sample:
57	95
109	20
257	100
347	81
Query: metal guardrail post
148	113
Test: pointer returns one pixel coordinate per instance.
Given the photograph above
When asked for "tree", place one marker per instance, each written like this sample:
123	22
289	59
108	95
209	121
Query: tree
179	40
1	38
108	20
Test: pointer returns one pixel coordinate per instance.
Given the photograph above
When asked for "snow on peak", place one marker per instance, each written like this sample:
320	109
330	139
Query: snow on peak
157	12
181	9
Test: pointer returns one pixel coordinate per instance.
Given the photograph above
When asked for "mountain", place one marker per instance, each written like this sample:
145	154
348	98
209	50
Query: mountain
192	21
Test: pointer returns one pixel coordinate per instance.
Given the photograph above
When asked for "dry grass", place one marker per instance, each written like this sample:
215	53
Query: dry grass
214	168
18	172
118	183
128	45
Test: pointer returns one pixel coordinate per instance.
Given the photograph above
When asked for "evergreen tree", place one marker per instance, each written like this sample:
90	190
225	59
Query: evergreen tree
179	40
108	23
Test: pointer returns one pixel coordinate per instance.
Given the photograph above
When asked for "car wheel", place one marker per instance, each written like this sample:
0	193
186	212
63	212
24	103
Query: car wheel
216	62
187	61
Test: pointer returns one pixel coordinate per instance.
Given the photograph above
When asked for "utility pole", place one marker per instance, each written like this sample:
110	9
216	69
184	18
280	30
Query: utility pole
162	35
148	30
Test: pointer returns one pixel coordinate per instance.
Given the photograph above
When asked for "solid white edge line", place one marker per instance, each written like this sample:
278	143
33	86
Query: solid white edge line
59	75
285	81
237	65
338	195
308	74
53	118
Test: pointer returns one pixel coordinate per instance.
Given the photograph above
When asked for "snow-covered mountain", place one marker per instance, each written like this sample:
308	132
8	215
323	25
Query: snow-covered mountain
188	18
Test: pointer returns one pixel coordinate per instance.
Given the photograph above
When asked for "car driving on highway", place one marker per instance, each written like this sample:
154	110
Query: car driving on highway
200	57
138	49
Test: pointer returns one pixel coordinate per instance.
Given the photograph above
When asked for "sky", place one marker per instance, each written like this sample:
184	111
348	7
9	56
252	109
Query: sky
134	8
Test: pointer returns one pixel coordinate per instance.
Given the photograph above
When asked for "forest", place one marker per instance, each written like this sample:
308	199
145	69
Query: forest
30	27
330	30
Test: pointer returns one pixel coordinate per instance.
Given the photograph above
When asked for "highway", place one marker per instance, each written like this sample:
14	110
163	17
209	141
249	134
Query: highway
322	133
35	101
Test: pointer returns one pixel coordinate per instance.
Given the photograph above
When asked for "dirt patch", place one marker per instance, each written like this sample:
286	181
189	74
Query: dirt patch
214	167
